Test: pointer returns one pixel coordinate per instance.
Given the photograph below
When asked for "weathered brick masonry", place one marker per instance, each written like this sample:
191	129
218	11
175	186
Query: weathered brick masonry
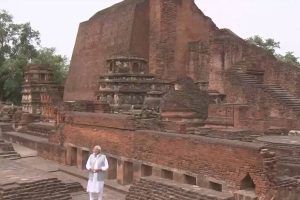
160	189
220	159
124	93
155	30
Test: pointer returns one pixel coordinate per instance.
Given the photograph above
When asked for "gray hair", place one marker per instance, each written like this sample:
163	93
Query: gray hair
97	147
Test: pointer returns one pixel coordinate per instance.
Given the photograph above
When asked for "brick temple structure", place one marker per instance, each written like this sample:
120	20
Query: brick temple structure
127	83
179	104
39	93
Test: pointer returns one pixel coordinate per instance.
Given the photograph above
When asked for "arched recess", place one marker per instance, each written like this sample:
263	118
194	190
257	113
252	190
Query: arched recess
247	183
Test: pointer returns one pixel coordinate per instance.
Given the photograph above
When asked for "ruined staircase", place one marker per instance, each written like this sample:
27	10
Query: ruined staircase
50	188
11	155
38	129
239	76
7	151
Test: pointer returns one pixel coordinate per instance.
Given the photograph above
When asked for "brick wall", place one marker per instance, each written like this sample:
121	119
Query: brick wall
173	24
226	49
220	159
46	150
107	33
160	189
157	30
263	110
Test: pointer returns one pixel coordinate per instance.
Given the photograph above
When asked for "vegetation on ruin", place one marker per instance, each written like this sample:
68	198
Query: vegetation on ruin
271	45
19	46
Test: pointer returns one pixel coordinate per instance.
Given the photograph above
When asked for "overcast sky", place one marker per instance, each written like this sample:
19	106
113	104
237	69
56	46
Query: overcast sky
58	20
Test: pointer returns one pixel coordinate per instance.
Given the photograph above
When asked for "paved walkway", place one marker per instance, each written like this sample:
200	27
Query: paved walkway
24	152
283	140
64	173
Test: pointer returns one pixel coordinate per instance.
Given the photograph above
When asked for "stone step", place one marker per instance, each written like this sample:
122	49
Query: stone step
292	99
8	153
293	105
244	81
274	90
281	96
35	133
10	156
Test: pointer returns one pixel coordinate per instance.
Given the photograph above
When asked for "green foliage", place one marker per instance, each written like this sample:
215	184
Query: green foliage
290	58
58	62
268	44
12	77
19	44
271	45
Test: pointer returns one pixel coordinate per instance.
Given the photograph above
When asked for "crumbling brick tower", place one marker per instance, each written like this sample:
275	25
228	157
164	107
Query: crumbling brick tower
156	30
38	78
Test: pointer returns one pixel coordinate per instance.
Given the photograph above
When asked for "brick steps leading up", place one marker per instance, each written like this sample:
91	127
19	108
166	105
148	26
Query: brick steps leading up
21	182
239	76
10	156
7	151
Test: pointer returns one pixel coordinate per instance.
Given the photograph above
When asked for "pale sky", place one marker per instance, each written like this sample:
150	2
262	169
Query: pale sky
58	20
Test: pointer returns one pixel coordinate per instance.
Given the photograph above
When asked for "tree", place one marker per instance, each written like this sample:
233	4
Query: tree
268	44
290	58
19	45
58	62
16	39
271	45
11	73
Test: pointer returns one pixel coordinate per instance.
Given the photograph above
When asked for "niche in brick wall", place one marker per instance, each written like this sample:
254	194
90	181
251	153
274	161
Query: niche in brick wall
146	170
247	183
215	186
128	172
190	180
73	156
167	174
85	157
112	170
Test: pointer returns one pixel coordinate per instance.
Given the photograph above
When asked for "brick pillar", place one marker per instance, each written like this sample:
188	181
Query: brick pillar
69	155
137	172
82	157
124	172
156	172
178	177
79	158
112	170
201	181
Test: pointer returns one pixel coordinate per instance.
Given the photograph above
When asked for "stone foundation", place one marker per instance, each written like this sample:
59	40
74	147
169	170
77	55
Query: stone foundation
20	182
159	189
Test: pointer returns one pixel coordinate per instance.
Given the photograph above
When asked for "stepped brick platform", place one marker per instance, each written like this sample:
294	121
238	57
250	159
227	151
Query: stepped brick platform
41	129
20	182
7	151
227	133
151	188
5	126
40	144
287	149
277	92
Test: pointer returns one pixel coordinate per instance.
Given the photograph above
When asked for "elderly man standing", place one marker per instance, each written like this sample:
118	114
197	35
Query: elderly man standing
97	164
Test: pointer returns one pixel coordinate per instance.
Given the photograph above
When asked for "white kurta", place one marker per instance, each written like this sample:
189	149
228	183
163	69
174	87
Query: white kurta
96	180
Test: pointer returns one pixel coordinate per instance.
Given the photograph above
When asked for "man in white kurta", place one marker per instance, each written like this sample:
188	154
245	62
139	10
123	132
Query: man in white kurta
97	164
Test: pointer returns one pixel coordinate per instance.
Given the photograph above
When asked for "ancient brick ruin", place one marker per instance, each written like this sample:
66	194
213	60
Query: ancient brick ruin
20	182
176	103
40	95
